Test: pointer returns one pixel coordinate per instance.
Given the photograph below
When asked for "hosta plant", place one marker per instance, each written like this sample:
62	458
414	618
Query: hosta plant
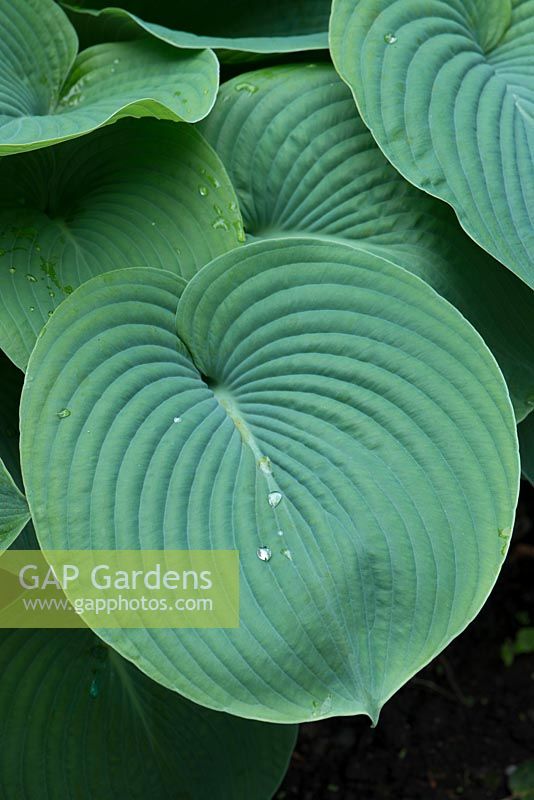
288	314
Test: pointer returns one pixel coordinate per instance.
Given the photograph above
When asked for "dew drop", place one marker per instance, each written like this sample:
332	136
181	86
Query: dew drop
64	413
246	87
505	533
390	38
220	225
94	688
12	270
203	191
177	420
51	293
116	60
32	308
50	313
265	466
38	248
287	554
31	278
153	224
264	553
274	498
280	533
232	206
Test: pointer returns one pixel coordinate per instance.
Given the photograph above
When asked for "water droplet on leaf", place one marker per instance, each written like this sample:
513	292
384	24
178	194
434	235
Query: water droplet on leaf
203	191
274	498
31	278
264	464
390	38
264	553
64	413
246	87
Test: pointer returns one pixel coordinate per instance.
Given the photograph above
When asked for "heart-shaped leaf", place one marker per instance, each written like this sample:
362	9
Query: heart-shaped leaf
141	192
340	424
281	26
48	95
526	446
447	89
73	713
14	513
303	162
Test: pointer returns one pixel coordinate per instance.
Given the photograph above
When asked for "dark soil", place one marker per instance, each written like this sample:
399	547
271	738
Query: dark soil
455	730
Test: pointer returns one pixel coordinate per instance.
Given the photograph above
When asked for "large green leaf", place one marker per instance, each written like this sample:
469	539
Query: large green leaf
303	162
447	88
48	95
251	26
14	513
78	721
141	193
335	413
526	446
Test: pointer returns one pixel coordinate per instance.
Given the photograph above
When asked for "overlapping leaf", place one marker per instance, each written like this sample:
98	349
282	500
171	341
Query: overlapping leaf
335	411
447	90
280	26
48	95
138	193
83	716
303	162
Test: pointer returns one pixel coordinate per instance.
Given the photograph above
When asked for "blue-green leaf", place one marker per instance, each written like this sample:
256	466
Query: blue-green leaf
49	95
139	193
447	89
249	26
342	426
83	722
303	163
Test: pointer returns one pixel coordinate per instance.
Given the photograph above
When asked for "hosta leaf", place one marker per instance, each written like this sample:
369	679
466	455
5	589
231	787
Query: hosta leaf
391	441
279	26
141	192
14	513
447	88
303	162
75	714
48	95
526	446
